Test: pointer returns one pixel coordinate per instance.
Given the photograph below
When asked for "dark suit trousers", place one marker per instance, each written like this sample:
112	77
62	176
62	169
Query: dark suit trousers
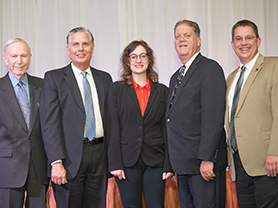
255	192
195	192
88	188
36	192
142	178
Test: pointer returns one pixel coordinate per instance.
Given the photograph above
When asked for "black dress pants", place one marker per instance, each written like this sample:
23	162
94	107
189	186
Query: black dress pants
255	192
88	188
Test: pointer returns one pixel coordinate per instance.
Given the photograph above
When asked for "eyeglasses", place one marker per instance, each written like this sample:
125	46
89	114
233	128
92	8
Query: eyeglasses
247	39
134	57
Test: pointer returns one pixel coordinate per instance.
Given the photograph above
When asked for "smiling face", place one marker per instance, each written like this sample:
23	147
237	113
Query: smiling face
139	66
245	43
80	50
18	58
186	42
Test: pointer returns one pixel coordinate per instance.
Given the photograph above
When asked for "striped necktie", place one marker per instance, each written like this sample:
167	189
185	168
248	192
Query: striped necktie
234	107
178	82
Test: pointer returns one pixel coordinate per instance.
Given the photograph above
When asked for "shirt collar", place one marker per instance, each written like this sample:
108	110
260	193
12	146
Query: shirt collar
137	86
15	81
188	64
77	71
251	63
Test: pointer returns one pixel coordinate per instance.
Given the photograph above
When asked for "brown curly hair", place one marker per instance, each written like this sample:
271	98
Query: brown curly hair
126	73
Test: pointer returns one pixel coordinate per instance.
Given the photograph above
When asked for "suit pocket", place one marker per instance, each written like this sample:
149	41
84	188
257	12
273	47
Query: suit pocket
266	135
6	152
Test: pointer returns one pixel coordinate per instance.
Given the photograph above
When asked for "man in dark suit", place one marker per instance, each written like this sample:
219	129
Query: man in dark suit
22	155
195	120
73	109
252	124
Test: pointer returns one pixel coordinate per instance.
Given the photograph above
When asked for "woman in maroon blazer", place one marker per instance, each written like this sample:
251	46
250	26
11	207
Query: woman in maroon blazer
137	152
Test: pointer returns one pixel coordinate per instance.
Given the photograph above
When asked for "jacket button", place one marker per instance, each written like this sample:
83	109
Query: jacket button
168	120
140	127
139	139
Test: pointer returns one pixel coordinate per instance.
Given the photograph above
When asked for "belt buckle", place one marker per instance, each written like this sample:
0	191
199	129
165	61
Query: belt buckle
92	142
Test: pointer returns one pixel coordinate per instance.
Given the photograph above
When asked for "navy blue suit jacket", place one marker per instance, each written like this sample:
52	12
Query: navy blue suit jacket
195	122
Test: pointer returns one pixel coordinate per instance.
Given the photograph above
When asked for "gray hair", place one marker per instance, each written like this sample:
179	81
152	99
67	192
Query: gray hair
195	26
80	29
13	40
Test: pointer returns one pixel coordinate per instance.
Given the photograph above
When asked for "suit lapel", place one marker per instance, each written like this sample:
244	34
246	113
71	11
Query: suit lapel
34	97
171	88
132	93
230	81
229	84
73	86
152	98
252	76
187	76
10	97
100	91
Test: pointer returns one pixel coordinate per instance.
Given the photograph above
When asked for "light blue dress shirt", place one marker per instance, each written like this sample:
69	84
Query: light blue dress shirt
15	81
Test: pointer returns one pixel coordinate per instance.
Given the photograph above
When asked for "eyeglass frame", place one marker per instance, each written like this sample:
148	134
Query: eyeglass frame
248	38
140	56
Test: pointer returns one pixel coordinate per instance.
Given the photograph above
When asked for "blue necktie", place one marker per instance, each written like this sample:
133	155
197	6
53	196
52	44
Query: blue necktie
234	107
24	102
178	82
89	109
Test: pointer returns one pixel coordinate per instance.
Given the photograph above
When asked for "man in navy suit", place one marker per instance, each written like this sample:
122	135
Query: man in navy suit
195	120
75	149
22	156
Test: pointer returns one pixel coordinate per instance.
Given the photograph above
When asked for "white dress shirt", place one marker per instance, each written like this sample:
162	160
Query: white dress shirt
189	62
79	79
248	69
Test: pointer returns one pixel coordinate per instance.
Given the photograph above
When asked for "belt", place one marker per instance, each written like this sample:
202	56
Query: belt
94	141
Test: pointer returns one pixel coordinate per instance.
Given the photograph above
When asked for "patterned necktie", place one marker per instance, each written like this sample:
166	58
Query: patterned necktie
24	102
234	107
89	109
178	82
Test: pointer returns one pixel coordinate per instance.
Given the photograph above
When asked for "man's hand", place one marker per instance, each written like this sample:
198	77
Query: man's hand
118	173
167	175
206	169
58	174
271	165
